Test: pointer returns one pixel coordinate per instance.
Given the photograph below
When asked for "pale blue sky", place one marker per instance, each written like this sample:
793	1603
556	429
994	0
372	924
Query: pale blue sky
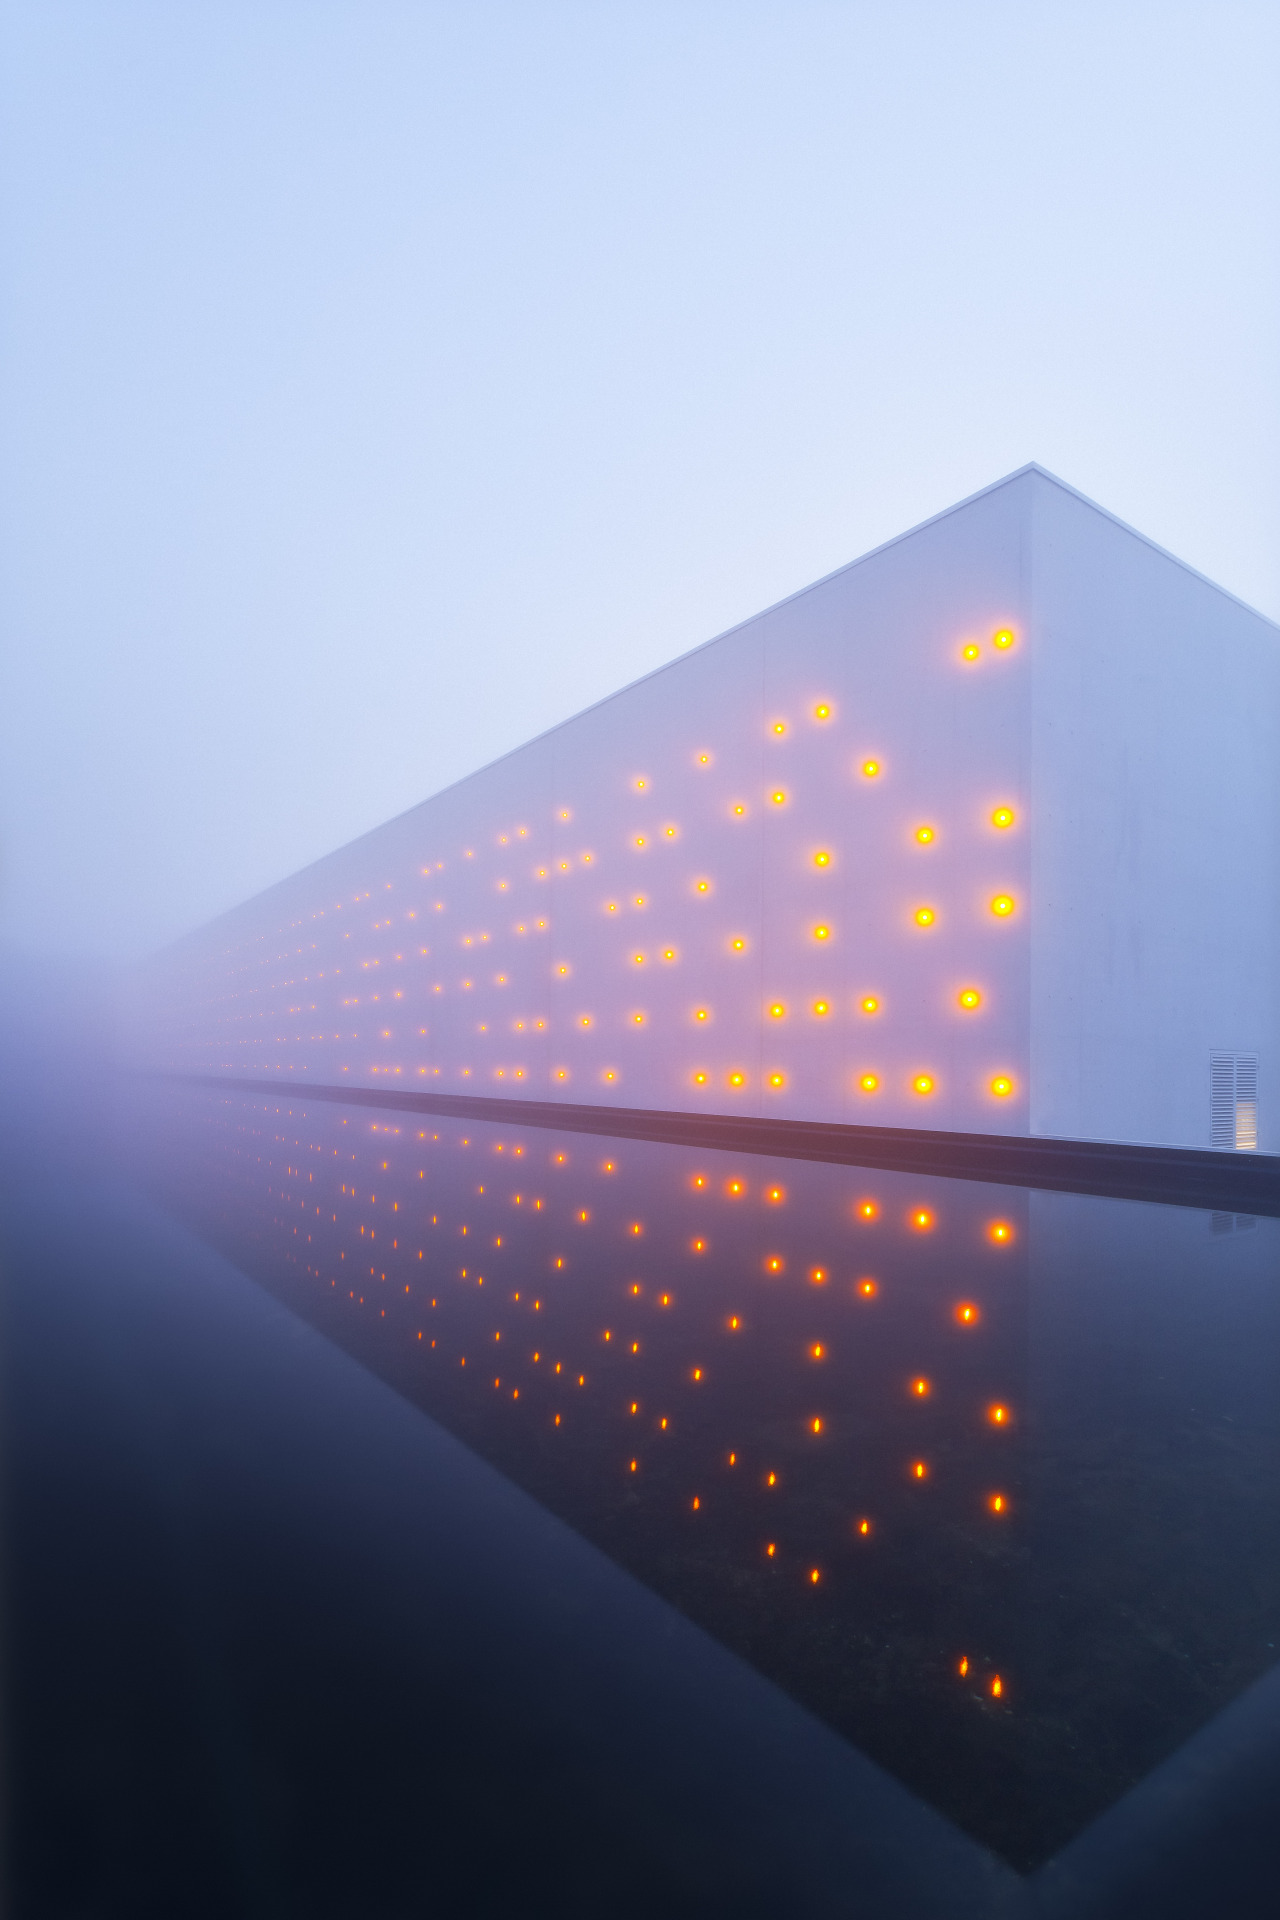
380	384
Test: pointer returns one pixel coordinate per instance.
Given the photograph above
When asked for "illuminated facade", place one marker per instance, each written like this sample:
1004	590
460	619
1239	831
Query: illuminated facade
977	834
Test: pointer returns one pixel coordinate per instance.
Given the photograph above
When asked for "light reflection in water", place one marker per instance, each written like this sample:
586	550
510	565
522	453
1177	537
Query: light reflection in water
870	1430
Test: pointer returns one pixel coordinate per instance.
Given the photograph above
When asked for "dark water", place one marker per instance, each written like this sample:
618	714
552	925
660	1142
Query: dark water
986	1479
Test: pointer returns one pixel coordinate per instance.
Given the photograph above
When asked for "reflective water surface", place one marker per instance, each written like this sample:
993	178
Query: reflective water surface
986	1478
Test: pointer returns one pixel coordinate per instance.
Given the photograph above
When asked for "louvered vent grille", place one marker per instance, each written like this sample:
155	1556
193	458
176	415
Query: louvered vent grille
1233	1101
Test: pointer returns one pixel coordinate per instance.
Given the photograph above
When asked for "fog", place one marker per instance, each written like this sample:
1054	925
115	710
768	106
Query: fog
382	384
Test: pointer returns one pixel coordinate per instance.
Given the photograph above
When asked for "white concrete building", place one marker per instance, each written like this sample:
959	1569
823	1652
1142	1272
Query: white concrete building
981	833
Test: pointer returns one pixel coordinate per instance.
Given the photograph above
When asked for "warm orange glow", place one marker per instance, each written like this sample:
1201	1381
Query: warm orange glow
776	1195
778	798
777	1010
634	1465
822	933
774	1264
921	1388
818	1276
733	1459
770	1550
1002	906
820	1007
870	1004
704	759
697	1373
779	726
702	1013
668	953
969	997
699	1079
997	1686
963	1667
737	1079
922	1083
870	768
924	835
997	1503
998	1415
867	1209
864	1528
735	1187
815	1425
922	1220
919	1469
640	785
1002	817
738	945
868	1083
1000	1231
1002	639
638	1019
771	1479
777	1079
822	711
739	808
703	886
822	859
698	1246
1002	1086
696	1503
734	1323
868	1289
969	651
967	1313
925	916
814	1575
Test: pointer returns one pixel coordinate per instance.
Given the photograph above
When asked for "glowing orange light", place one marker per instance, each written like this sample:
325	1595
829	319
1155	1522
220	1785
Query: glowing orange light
1002	817
737	1079
739	808
870	768
868	1289
1002	639
970	997
814	1575
1000	1231
704	759
922	1083
822	933
699	1246
770	1550
864	1528
867	1209
696	1503
640	785
668	953
967	1313
733	1459
998	1415
1002	1086
1002	906
822	859
697	1373
997	1686
818	1275
777	1010
777	1079
699	1079
779	726
771	1479
919	1469
925	916
921	1387
776	1194
997	1503
924	835
963	1667
815	1425
773	1264
820	1007
969	651
703	886
634	1465
778	798
670	833
868	1083
733	1323
816	1351
922	1220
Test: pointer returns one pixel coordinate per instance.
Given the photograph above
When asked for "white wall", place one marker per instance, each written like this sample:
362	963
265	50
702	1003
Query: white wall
1156	780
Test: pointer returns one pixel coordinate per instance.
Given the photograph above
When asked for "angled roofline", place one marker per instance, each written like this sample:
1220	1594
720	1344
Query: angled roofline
739	626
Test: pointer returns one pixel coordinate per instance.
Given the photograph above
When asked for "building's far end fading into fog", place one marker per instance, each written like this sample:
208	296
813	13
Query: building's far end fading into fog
981	833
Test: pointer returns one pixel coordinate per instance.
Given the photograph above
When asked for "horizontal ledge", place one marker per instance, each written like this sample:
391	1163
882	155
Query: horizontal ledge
1173	1176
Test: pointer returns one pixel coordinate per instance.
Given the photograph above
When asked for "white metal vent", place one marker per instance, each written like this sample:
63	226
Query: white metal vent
1233	1101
